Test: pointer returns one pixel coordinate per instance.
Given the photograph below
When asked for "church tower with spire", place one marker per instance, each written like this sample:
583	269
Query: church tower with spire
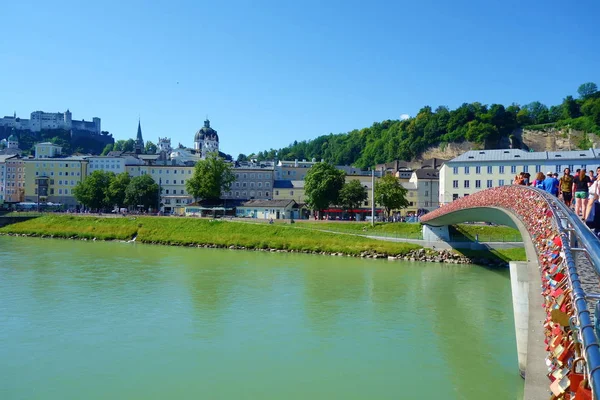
139	140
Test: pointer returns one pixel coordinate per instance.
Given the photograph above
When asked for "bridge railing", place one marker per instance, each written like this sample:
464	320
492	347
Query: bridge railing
546	217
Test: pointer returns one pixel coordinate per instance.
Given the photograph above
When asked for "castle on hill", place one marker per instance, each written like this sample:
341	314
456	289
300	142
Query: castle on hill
40	120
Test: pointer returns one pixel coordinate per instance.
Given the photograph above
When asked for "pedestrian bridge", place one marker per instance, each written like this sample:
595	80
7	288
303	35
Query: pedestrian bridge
555	292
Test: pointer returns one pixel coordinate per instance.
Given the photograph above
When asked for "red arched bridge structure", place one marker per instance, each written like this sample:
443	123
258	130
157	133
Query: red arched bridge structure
555	292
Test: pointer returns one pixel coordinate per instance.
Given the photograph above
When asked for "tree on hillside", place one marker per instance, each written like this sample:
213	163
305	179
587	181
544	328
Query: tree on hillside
150	148
242	157
587	89
570	108
117	188
390	194
591	109
107	149
352	195
129	145
322	186
142	191
93	191
211	176
118	146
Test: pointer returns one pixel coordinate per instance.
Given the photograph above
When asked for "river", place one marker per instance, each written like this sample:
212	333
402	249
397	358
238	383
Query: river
99	320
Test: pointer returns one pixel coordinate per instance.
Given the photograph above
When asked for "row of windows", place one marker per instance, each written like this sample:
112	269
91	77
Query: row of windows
277	193
9	184
174	191
60	173
258	184
57	165
253	176
514	169
51	191
13	169
244	194
168	171
489	183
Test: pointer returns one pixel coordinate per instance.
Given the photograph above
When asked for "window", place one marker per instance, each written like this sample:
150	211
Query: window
267	194
60	182
467	183
237	184
571	167
455	170
181	191
237	176
538	168
277	193
167	181
454	184
513	169
237	194
489	183
466	170
167	191
489	169
525	168
557	169
291	192
59	191
477	170
72	183
174	171
501	182
477	184
243	184
259	184
267	184
501	169
426	204
259	194
189	171
583	166
426	193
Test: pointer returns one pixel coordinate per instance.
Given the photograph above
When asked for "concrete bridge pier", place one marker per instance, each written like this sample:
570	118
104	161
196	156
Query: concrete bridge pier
519	284
436	233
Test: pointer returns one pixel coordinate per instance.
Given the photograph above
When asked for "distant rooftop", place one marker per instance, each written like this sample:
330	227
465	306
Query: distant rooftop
518	154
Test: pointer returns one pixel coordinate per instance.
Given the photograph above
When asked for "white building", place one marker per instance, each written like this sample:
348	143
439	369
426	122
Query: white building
42	120
47	150
427	182
206	140
476	170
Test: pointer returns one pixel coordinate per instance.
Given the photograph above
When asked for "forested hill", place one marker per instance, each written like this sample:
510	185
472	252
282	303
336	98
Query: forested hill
488	126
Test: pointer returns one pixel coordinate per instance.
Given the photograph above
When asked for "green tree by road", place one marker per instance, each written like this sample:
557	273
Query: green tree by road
92	192
352	195
142	191
117	188
390	194
322	186
211	176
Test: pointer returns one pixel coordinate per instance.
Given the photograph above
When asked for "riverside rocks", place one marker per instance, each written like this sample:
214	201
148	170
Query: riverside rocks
419	255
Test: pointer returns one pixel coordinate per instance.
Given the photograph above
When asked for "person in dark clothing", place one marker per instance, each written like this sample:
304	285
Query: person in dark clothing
581	188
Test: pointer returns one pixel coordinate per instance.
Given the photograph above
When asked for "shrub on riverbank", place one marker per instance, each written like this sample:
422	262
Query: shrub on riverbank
187	231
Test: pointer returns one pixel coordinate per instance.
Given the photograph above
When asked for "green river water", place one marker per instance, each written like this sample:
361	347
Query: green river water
92	320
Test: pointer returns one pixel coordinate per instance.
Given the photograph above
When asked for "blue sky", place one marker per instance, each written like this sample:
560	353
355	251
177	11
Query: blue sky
270	72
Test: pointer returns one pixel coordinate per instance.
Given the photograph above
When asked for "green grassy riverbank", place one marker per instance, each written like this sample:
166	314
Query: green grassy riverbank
188	231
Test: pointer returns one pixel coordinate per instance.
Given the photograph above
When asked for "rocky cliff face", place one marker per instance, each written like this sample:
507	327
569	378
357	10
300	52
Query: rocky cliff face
556	139
534	140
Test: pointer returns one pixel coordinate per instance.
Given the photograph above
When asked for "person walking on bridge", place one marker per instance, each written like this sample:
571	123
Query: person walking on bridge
581	187
566	187
538	182
550	184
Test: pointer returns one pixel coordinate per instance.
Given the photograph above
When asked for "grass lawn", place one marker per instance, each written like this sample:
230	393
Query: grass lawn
517	254
188	231
400	230
462	232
